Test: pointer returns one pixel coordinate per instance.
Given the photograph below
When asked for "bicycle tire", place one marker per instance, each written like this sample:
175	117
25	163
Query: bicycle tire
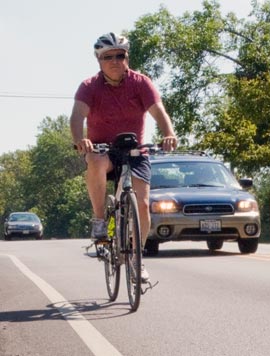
133	250
111	261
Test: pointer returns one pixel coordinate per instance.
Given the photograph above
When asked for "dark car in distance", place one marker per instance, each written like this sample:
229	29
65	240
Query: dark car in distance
196	197
23	224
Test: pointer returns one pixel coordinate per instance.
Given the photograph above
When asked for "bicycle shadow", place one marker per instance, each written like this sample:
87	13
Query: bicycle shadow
93	309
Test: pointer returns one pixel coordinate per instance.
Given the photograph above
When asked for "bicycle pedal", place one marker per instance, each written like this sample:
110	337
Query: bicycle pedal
102	252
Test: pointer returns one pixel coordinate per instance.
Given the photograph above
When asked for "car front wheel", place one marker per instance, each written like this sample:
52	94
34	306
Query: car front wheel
151	248
248	245
214	244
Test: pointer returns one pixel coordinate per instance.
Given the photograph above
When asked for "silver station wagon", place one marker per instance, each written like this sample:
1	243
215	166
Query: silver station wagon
195	197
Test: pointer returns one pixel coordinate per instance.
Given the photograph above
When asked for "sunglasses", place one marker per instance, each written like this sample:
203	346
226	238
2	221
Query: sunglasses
117	57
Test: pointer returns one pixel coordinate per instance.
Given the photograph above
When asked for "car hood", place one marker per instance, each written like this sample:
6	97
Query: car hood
193	195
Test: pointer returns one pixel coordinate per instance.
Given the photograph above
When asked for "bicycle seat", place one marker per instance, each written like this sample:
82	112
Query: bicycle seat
126	140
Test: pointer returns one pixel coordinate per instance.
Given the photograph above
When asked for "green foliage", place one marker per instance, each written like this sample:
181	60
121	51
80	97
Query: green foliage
54	164
263	195
48	180
175	51
16	169
213	71
75	207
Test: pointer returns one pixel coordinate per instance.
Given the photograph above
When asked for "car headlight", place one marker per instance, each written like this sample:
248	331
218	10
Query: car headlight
247	205
164	206
38	227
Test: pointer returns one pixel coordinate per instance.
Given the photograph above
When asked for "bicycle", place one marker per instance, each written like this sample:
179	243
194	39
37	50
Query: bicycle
123	244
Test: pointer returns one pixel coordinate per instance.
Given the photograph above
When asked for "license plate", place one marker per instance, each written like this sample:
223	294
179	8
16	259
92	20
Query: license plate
25	232
210	225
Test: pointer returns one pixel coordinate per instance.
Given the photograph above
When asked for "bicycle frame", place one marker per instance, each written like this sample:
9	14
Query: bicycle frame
125	243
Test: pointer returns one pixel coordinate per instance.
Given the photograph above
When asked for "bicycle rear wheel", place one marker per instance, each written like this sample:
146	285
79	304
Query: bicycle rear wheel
133	249
111	261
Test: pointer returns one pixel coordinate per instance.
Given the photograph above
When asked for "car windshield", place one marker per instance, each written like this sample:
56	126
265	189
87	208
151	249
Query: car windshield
24	217
191	174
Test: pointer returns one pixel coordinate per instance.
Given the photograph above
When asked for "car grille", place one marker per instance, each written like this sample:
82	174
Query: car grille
24	227
208	209
195	234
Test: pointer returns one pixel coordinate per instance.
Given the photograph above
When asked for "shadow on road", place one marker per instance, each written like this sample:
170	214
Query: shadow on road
74	310
17	316
191	253
183	253
95	309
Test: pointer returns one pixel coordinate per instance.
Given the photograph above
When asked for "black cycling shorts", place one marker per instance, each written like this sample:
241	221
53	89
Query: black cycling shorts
140	167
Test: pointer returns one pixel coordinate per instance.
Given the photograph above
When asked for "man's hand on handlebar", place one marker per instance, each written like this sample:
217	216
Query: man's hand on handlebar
169	143
84	146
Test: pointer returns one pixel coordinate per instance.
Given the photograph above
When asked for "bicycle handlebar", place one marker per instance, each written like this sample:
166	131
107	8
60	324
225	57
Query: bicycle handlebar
140	149
150	148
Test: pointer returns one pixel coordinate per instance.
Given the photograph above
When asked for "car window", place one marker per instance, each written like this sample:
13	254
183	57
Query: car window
24	217
166	175
175	174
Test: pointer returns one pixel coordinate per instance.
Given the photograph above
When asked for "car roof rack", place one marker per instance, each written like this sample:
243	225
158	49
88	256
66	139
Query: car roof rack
160	151
194	152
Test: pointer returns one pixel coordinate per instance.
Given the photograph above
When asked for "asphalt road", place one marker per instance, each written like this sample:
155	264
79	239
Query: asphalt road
53	301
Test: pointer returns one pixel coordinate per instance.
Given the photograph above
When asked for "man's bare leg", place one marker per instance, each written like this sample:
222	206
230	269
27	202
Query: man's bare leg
142	191
96	180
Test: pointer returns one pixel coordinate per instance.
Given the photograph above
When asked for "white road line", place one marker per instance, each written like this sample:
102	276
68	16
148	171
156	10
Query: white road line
93	339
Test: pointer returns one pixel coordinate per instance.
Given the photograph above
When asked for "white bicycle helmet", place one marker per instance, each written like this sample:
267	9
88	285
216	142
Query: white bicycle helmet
110	41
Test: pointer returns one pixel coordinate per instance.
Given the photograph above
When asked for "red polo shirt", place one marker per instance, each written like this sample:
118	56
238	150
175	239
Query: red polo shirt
116	109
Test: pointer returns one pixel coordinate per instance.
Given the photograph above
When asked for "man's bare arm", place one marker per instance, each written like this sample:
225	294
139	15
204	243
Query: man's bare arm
165	125
79	112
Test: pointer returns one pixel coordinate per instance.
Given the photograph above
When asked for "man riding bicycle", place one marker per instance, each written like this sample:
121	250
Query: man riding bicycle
117	100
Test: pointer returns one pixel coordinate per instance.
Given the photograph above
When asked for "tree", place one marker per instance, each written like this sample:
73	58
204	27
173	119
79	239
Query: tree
48	180
54	177
242	119
213	72
263	196
15	172
14	175
179	52
75	207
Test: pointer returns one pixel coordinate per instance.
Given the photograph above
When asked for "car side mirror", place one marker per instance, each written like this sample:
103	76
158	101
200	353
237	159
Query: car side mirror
246	182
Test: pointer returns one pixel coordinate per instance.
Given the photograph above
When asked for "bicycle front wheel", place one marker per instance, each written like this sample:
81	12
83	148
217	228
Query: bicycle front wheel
111	261
133	250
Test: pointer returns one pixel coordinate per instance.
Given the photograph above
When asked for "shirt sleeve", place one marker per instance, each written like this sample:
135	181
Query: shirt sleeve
149	93
84	93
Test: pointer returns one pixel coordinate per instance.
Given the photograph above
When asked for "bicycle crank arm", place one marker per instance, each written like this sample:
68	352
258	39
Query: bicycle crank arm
88	247
150	286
